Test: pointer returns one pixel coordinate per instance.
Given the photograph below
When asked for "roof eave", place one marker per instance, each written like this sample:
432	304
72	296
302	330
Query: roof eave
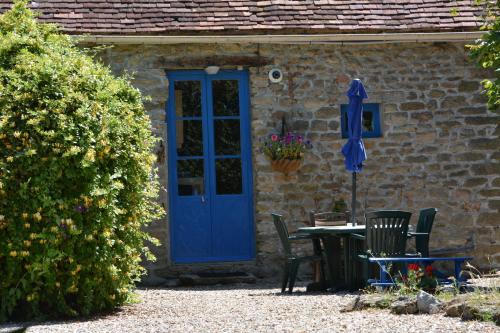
285	39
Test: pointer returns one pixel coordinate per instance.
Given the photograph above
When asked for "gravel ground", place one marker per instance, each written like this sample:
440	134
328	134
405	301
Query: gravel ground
258	308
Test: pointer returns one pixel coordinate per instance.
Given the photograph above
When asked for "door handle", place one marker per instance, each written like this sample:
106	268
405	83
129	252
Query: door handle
203	200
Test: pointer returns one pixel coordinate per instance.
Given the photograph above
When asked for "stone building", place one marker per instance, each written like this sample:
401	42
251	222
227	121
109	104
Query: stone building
437	144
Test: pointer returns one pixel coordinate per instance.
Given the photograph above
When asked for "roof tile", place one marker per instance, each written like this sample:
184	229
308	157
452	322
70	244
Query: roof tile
229	16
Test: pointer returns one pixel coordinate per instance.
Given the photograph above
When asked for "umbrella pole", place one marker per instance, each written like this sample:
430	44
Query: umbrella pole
353	203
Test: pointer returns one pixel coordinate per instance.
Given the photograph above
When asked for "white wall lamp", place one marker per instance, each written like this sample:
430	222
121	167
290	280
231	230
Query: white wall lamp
212	70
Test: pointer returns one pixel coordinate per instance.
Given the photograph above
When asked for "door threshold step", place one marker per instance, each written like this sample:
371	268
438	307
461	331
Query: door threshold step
213	278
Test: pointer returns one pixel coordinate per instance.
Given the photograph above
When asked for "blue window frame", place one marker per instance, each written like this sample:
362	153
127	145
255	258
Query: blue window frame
371	120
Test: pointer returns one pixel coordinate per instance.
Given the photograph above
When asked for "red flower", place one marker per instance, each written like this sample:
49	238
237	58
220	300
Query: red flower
428	270
274	137
413	267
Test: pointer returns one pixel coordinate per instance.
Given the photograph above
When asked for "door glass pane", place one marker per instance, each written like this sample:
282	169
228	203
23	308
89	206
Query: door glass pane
189	137
187	98
228	176
227	136
190	177
226	97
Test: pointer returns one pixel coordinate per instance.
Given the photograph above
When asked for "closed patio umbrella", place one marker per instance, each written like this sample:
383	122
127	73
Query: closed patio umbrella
354	150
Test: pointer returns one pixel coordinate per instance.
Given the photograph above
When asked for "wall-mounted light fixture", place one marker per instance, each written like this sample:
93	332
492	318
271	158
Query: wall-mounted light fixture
211	70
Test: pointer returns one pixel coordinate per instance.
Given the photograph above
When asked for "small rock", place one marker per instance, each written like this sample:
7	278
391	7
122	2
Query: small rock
455	310
404	306
496	318
425	300
470	313
433	309
367	301
351	306
447	288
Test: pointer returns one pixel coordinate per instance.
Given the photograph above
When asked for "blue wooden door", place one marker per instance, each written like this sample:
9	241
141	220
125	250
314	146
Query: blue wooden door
210	176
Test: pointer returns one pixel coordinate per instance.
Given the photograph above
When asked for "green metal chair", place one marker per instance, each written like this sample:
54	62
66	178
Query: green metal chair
424	228
292	261
386	235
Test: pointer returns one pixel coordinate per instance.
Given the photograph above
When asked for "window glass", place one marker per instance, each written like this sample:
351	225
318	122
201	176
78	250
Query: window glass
228	176
226	98
190	177
187	98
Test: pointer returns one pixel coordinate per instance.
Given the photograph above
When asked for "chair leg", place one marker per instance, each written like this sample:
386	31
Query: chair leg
322	273
366	272
294	267
286	274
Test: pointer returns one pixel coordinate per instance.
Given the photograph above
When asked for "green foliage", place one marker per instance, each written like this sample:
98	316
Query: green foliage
415	280
486	52
77	183
339	206
288	147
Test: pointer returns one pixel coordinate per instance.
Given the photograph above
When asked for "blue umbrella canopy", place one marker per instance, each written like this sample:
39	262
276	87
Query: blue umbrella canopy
354	150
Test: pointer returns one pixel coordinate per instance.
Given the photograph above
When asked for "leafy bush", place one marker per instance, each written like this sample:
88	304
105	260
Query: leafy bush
486	51
77	183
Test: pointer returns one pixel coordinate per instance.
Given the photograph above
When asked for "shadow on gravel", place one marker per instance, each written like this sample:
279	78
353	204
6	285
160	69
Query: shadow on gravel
20	327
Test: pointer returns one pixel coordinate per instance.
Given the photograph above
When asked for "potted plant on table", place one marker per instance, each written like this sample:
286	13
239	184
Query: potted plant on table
285	152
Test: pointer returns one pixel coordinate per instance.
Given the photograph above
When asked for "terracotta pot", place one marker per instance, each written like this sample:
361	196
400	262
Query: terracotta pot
286	166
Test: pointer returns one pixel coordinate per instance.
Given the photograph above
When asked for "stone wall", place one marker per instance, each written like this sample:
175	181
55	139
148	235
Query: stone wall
440	146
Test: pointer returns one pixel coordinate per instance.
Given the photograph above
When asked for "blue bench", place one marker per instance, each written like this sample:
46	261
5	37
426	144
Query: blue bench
386	281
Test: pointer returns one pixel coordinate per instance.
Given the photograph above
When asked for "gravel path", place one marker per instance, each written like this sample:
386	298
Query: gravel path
245	308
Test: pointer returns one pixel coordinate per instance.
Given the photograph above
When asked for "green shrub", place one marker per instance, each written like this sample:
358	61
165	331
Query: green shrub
77	183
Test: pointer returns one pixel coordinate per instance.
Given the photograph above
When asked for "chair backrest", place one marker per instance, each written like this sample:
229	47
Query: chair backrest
386	232
282	230
424	224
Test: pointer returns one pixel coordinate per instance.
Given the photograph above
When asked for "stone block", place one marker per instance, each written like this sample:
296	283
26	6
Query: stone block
421	116
485	144
470	156
485	169
489	219
326	113
389	108
333	125
453	102
472	110
416	159
301	125
412	106
468	86
460	174
397	118
474	182
496	182
437	93
319	125
484	120
490	192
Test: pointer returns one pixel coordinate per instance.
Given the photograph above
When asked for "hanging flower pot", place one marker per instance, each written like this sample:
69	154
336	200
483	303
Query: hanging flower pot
285	153
286	166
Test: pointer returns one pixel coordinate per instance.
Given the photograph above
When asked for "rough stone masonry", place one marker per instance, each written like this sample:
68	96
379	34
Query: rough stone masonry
440	145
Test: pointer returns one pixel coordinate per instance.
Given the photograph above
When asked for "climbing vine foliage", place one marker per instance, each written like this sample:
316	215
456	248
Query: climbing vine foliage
77	183
486	51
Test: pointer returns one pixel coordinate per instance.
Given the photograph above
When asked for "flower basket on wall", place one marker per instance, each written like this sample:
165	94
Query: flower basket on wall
285	152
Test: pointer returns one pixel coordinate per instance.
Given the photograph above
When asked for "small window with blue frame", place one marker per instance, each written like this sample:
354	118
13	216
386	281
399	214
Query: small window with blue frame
371	120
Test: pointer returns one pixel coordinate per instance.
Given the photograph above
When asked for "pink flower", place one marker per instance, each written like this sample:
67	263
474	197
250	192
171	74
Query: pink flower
274	137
